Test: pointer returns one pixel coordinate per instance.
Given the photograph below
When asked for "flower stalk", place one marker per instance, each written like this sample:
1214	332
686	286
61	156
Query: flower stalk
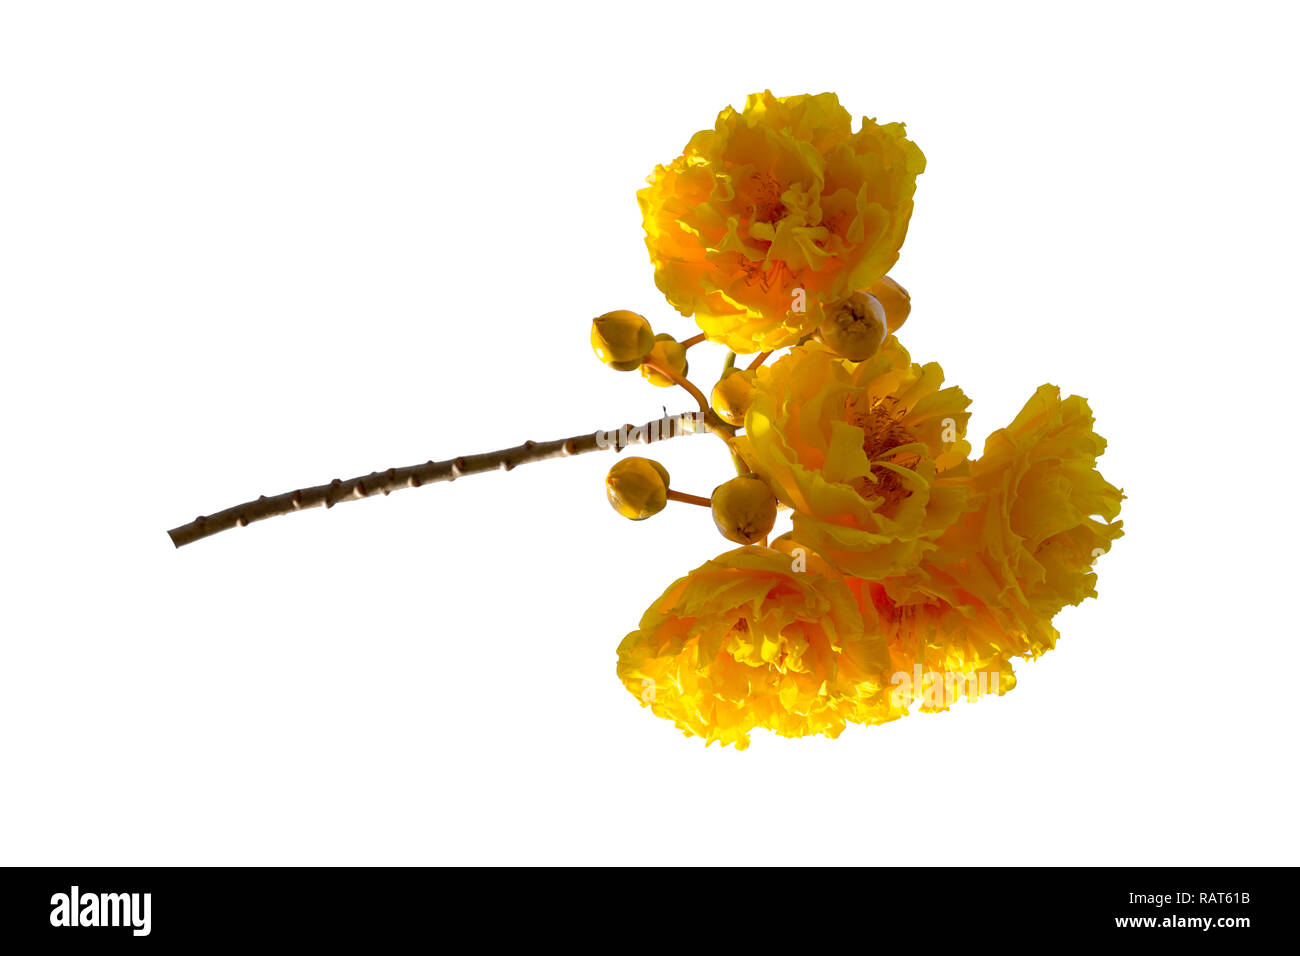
687	499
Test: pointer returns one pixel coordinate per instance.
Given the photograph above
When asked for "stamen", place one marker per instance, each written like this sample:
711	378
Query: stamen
883	431
765	194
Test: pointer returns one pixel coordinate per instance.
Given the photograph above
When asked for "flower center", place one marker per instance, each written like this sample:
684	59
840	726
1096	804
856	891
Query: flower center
764	273
883	432
765	194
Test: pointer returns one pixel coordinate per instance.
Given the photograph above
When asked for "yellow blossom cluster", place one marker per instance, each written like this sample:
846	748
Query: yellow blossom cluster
914	573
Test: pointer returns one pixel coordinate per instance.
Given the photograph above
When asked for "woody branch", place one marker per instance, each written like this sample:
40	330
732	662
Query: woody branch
339	491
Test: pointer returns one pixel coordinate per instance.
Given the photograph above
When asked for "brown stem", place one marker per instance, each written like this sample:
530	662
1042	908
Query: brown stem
693	340
689	499
413	476
758	360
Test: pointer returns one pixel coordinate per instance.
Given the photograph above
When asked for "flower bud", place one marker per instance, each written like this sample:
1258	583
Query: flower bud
894	300
854	327
733	395
637	487
744	509
621	339
667	352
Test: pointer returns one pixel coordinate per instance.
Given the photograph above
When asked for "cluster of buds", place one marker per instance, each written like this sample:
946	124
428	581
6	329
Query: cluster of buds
744	508
625	342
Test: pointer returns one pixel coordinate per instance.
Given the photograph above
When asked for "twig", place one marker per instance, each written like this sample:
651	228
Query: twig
714	423
413	476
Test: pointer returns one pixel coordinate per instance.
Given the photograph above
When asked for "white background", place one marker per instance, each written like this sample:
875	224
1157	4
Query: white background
248	246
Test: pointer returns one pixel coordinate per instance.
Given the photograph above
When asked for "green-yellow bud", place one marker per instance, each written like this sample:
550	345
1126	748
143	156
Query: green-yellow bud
637	487
666	352
744	509
894	300
733	395
621	339
854	327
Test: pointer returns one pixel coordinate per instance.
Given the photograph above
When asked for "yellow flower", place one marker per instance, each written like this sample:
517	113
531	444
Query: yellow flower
780	197
747	641
938	653
871	457
1055	512
1043	514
